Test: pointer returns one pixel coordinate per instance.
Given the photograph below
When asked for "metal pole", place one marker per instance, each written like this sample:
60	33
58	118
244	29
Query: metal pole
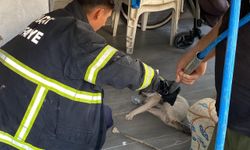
228	74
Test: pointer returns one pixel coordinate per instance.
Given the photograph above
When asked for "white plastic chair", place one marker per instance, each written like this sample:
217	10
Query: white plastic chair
146	6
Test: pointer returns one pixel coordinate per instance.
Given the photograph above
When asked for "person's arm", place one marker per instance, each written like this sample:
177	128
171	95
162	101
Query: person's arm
122	71
100	64
186	58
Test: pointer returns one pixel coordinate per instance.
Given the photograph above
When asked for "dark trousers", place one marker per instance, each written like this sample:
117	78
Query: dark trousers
234	141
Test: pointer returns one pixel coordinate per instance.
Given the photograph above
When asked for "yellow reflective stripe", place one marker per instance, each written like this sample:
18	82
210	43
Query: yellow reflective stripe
148	76
31	113
10	140
53	85
100	61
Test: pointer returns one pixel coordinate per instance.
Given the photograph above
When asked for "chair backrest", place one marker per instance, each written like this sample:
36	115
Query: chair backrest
212	10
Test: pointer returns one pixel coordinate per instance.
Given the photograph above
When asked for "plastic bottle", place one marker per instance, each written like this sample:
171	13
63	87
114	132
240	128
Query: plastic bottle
137	99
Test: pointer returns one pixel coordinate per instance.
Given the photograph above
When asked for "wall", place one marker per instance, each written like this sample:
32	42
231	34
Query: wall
15	15
56	4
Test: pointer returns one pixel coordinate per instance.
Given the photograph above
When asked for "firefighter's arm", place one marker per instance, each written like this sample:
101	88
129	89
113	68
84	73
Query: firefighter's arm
122	71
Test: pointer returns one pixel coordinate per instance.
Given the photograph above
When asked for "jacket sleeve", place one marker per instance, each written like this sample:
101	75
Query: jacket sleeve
95	62
122	71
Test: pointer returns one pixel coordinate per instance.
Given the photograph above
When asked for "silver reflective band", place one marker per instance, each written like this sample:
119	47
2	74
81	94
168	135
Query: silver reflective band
100	61
32	112
53	86
8	139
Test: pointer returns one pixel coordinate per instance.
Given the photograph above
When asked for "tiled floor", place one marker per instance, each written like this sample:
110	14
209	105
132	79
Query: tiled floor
152	47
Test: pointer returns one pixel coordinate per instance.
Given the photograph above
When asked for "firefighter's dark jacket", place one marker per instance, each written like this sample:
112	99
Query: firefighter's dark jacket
51	97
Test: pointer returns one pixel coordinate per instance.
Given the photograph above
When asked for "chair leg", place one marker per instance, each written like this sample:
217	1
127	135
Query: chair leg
182	6
112	19
116	18
144	21
193	8
131	29
174	23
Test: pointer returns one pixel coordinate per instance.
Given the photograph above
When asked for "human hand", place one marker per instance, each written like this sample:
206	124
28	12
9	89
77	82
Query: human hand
189	79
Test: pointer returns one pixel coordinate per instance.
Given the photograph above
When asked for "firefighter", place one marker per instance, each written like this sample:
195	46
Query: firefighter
51	94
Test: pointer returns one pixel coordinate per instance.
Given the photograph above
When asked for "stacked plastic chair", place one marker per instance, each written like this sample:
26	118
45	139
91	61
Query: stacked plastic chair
139	7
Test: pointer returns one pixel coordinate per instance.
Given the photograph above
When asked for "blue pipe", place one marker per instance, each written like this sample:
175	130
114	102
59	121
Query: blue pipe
228	74
222	36
135	3
195	62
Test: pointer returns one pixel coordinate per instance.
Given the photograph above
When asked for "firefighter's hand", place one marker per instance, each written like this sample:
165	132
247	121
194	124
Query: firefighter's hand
169	91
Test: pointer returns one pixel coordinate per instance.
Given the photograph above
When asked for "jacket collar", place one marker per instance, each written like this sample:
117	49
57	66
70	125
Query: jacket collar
75	8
